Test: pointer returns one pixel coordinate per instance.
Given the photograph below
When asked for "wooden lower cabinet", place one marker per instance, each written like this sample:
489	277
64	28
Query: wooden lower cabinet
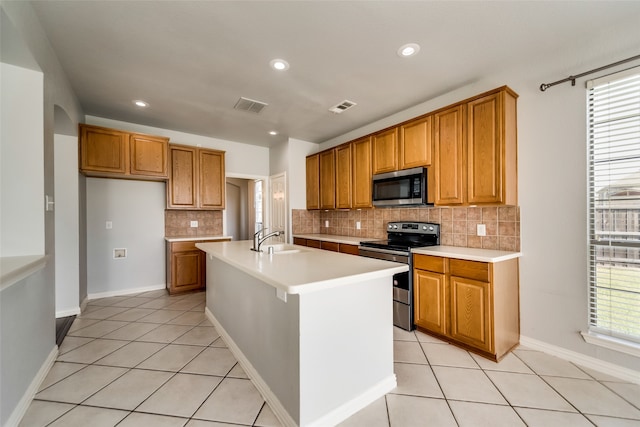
186	266
469	303
328	246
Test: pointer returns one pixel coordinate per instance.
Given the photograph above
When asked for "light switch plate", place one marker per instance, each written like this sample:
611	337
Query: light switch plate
119	253
357	225
194	224
481	230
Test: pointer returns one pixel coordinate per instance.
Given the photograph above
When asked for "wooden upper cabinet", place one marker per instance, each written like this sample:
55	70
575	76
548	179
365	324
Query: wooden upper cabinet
313	181
362	173
385	151
181	191
103	150
148	155
328	179
491	149
343	176
416	142
212	179
449	156
197	178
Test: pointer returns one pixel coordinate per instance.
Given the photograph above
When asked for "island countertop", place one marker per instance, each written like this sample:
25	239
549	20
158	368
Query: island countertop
300	269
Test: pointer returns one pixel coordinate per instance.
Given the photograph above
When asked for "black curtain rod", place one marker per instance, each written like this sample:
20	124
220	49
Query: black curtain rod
572	79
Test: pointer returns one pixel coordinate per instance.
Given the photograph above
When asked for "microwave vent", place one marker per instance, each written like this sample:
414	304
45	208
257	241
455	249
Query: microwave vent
342	107
250	105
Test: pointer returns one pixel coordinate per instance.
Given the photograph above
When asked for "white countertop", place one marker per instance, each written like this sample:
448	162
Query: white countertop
196	239
347	240
306	270
469	254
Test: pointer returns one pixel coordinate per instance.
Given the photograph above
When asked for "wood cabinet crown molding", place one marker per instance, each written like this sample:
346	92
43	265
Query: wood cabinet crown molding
112	153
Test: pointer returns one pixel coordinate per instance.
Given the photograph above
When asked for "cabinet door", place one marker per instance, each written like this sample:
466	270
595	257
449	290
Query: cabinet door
416	141
430	301
449	156
148	156
181	189
187	271
103	150
343	176
485	150
471	312
313	182
328	179
385	151
362	175
212	179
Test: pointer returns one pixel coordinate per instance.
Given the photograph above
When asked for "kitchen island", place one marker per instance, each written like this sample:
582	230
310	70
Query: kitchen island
313	329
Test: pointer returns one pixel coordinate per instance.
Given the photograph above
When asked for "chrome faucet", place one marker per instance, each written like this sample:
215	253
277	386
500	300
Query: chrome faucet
257	241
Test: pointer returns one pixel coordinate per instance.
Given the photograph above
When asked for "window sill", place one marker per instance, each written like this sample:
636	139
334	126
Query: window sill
612	343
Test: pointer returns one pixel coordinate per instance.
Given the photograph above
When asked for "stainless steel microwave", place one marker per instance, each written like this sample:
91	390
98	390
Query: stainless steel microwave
401	188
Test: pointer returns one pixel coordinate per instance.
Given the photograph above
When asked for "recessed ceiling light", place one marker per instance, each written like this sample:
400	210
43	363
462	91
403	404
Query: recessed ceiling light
279	64
140	103
408	49
273	132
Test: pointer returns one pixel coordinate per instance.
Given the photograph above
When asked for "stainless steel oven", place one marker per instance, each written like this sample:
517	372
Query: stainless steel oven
401	237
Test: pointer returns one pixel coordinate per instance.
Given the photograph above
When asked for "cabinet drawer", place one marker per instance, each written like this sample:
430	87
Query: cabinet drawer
313	243
469	269
299	241
348	249
330	246
183	246
430	263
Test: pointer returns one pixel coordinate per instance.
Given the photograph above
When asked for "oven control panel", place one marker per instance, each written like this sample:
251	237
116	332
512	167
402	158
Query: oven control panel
414	227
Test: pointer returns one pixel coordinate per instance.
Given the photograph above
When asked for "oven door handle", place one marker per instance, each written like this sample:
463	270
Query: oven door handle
383	255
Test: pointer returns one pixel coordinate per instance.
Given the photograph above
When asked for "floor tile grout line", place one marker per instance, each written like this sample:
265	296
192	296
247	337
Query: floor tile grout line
618	394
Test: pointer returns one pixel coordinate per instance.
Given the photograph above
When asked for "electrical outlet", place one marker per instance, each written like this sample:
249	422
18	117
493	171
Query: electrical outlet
194	224
108	225
357	225
481	230
326	224
119	253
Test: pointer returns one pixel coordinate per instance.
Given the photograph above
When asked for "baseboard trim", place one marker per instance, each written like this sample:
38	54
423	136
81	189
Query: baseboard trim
66	313
583	360
27	397
123	292
334	417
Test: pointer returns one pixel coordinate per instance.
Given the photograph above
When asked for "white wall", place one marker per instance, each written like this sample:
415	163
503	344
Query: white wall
67	241
21	173
136	210
28	343
552	181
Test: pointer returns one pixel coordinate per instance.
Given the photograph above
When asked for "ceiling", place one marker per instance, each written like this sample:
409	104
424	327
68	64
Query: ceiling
192	60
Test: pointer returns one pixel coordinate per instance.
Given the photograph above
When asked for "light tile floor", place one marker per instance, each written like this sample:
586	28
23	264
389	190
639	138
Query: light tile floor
155	360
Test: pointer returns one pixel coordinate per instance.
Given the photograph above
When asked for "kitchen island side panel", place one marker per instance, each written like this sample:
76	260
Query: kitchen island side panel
265	328
346	350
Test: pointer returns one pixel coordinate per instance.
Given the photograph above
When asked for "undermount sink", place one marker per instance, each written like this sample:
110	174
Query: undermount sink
282	249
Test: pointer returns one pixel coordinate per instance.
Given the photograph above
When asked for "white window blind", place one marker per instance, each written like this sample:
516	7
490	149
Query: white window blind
614	204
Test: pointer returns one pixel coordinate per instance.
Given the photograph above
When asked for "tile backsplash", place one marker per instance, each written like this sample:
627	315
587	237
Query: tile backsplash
458	225
177	223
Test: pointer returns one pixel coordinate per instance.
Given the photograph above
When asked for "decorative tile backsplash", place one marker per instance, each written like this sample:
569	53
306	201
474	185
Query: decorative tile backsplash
458	225
178	223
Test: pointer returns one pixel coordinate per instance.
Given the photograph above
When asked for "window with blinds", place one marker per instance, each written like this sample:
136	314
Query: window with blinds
614	205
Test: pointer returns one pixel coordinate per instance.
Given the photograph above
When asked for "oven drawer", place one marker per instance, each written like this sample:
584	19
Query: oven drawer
401	295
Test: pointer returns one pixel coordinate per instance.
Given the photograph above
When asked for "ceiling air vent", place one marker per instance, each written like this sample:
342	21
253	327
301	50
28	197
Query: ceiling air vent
343	106
251	105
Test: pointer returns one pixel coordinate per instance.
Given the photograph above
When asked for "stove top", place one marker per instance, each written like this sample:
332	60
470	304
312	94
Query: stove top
402	236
